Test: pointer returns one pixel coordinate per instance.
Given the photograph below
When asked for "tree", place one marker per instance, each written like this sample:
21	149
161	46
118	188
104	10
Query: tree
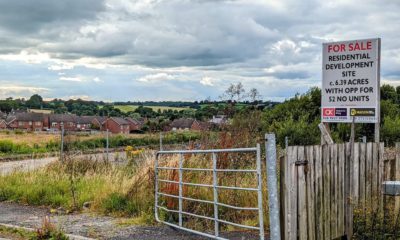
234	92
254	95
36	101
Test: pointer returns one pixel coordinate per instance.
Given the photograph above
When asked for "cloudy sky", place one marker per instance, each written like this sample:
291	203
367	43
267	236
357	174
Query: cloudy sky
117	50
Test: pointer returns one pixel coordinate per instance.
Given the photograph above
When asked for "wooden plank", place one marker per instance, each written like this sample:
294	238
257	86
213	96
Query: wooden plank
348	191
333	187
363	149
282	190
356	172
326	189
311	192
302	196
374	173
368	174
319	193
380	176
397	175
288	197
325	135
341	178
293	195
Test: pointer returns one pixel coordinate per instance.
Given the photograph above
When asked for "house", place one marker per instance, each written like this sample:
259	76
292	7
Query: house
200	126
84	123
218	120
3	124
188	124
116	125
98	122
27	121
67	120
134	124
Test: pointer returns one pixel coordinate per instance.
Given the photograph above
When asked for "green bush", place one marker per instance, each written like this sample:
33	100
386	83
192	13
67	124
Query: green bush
6	146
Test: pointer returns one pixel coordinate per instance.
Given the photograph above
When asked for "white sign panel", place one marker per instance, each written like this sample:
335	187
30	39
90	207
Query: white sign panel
350	81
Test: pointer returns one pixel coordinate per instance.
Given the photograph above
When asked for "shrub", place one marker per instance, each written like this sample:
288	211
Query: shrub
6	146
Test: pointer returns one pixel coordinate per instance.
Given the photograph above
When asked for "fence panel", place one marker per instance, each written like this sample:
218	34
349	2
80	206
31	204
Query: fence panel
323	185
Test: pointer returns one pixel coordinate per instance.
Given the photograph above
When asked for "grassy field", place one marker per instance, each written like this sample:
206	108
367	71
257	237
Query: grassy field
128	108
14	143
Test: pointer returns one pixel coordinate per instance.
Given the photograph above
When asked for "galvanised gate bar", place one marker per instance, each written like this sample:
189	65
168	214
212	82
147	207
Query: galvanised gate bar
214	156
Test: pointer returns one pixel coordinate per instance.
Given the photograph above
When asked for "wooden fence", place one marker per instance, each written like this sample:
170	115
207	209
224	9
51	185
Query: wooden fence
320	186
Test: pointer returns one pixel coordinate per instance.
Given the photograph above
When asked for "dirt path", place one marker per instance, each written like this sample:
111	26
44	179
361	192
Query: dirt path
98	227
32	164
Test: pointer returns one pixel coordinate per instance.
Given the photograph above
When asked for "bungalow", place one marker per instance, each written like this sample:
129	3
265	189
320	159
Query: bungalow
67	120
116	125
27	121
134	124
188	124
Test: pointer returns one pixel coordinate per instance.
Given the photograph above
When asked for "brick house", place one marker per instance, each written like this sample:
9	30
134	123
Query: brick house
27	121
98	122
3	124
134	124
188	124
68	120
116	125
84	123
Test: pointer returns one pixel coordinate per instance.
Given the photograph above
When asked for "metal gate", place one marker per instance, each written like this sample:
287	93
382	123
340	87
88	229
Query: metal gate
216	203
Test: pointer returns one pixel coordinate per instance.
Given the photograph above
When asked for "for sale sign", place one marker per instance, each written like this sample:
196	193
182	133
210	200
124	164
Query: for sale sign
350	81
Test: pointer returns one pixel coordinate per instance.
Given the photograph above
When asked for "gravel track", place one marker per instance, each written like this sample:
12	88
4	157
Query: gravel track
98	227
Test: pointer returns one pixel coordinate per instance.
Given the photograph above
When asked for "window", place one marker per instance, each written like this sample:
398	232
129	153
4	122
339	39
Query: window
38	124
20	124
30	123
71	124
54	124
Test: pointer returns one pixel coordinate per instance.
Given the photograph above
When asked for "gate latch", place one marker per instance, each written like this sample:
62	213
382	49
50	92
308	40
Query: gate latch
299	163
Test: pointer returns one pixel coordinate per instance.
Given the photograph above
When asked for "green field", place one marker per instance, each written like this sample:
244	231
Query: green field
127	108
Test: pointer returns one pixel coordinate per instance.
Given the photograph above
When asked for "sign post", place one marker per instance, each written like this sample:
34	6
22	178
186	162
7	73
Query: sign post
351	82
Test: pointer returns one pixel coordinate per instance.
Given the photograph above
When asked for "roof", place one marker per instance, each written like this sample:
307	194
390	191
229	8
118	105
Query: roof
134	121
3	115
100	119
120	121
62	118
84	119
25	117
182	123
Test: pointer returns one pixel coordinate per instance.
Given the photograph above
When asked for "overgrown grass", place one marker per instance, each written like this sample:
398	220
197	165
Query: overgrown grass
9	147
109	188
375	220
129	190
14	233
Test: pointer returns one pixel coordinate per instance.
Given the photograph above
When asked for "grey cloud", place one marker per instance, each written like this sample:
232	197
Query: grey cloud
29	16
